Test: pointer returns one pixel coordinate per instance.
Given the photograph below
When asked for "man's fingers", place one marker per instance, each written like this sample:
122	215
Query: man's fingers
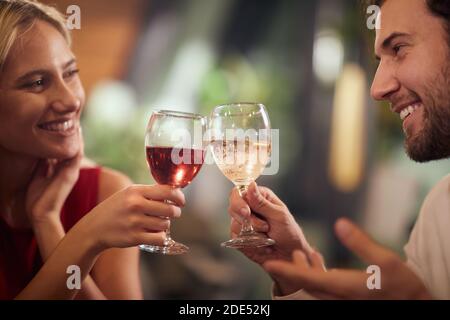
316	260
287	271
259	203
268	194
238	208
344	284
235	227
239	214
257	224
300	259
360	243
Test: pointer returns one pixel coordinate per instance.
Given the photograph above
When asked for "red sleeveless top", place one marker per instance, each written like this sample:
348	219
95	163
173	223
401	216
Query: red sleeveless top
19	254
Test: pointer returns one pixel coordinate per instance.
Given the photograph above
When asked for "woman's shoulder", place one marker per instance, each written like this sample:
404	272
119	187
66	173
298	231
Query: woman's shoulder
109	180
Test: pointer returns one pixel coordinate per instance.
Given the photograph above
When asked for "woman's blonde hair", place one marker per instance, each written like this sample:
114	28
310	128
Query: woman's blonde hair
20	15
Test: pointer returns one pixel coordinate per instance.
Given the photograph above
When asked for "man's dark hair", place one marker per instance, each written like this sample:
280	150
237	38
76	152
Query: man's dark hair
439	8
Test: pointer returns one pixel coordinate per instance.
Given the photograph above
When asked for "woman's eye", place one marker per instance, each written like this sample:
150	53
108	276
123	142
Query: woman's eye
35	84
71	73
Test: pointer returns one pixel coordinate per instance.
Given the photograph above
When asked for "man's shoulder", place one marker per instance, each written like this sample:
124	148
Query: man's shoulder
441	189
438	199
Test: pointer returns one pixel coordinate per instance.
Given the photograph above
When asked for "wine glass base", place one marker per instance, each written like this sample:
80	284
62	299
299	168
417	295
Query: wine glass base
253	240
174	248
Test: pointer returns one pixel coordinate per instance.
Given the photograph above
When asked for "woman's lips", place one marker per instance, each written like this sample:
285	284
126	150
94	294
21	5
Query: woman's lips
65	128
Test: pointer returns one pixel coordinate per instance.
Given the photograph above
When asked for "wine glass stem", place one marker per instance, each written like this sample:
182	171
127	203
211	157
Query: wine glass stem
246	224
168	241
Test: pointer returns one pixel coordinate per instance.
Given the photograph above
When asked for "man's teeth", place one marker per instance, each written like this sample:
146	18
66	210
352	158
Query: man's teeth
59	126
409	110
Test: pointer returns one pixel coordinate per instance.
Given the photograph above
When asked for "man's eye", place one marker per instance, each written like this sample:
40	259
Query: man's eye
397	48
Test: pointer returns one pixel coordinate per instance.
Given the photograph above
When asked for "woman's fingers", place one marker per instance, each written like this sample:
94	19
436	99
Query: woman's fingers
152	238
153	224
161	193
158	209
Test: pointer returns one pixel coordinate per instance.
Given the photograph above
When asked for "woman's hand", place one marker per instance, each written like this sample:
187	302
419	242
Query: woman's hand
135	215
50	186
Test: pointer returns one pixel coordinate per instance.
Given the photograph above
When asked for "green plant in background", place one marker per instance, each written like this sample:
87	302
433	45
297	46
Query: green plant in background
113	129
238	79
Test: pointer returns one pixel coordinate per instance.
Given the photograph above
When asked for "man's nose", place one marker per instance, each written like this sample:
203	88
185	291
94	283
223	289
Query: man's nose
384	83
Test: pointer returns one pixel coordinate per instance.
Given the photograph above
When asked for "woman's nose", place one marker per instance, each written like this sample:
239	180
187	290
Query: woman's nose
66	99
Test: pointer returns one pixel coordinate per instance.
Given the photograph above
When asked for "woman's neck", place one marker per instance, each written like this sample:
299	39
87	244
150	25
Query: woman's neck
16	171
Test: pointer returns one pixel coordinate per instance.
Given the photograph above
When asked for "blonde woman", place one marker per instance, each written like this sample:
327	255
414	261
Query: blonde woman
55	212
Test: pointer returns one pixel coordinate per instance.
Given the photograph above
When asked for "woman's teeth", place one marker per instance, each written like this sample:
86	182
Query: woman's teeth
58	126
409	110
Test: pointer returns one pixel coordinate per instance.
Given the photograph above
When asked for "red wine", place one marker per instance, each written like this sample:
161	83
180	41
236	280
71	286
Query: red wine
174	166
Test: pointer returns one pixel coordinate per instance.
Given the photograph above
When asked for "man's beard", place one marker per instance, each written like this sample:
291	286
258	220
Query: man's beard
433	141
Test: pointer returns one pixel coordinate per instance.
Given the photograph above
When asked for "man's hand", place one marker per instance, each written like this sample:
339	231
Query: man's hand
397	280
274	219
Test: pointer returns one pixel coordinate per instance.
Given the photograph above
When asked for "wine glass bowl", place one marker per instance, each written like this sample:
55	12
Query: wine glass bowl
240	141
175	153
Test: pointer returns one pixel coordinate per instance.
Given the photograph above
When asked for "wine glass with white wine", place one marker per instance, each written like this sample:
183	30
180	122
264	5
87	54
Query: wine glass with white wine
241	145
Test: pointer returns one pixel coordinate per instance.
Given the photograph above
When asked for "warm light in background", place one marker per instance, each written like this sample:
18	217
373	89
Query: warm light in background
112	103
347	150
328	57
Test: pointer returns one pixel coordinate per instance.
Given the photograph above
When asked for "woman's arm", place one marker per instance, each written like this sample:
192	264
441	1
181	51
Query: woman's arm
121	221
76	248
116	271
48	236
51	184
115	274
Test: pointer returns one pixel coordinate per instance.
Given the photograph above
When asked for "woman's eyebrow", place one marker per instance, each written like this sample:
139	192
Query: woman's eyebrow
31	73
69	63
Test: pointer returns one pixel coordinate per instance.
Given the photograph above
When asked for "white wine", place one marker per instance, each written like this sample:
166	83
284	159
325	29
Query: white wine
241	161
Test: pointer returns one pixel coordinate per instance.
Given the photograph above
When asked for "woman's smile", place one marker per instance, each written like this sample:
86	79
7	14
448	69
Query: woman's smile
62	127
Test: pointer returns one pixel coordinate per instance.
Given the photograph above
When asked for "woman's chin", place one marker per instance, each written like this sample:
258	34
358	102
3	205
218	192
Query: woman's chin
62	153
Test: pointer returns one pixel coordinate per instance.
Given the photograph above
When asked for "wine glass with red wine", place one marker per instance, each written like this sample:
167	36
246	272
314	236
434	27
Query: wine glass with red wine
175	153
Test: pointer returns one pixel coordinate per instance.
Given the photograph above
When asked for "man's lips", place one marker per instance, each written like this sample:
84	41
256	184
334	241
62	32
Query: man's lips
406	109
409	110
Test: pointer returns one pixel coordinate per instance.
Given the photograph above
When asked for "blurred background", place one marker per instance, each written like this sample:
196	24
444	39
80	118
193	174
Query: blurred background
310	63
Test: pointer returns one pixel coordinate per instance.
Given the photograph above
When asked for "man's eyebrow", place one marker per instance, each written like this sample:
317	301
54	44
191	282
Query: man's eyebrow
388	41
43	71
